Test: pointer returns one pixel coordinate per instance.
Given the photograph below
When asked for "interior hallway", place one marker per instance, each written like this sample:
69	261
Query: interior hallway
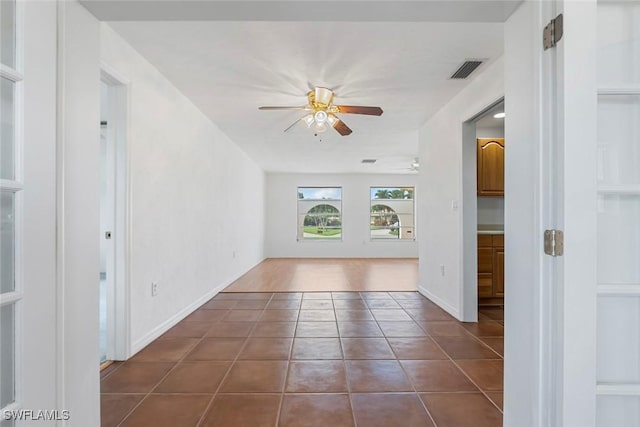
313	359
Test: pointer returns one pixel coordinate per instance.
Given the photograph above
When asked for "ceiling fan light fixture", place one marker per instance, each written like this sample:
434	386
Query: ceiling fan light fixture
320	127
308	119
323	96
499	115
332	120
320	116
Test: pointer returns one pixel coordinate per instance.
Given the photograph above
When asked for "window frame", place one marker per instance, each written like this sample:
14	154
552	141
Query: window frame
16	186
413	208
300	225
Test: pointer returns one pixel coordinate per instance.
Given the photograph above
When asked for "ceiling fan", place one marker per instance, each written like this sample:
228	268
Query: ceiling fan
322	112
414	167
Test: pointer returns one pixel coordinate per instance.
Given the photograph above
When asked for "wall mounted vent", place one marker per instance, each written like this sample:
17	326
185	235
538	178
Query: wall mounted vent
466	69
369	161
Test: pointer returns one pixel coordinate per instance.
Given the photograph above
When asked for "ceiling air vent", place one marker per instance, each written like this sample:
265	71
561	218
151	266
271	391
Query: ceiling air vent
369	161
466	69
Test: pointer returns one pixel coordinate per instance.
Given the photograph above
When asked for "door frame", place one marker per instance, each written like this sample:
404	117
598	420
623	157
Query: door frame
118	297
469	214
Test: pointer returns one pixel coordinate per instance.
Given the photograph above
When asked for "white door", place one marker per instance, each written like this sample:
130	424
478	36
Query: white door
593	196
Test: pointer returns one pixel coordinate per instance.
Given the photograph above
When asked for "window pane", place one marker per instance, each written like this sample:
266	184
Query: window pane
8	32
7	354
7	126
392	214
7	241
319	213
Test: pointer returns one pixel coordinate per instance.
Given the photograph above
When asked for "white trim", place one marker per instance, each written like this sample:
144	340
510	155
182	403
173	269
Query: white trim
13	406
163	327
468	213
10	297
118	302
16	186
439	301
10	185
618	389
619	91
10	74
631	189
111	76
156	332
618	289
60	207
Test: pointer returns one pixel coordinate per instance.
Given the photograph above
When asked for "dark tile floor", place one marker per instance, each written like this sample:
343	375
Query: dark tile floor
314	359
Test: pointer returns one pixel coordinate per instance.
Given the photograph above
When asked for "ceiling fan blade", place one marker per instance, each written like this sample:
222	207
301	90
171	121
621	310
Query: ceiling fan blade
283	108
293	124
341	128
357	109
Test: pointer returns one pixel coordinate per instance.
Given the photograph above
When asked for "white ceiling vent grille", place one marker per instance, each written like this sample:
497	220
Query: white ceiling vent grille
466	69
369	161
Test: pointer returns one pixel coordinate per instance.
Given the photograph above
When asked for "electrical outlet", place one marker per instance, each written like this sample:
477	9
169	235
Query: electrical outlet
442	269
154	289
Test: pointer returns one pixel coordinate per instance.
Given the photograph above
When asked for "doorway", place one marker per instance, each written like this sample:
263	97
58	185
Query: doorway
113	232
483	215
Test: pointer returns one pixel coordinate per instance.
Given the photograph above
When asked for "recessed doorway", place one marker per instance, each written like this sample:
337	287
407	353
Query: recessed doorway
483	214
113	231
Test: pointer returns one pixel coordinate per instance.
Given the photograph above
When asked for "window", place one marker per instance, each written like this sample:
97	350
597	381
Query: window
10	204
392	213
319	213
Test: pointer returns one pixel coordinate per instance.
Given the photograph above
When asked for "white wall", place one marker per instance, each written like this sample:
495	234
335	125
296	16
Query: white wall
197	210
281	230
79	215
490	132
491	210
440	188
40	343
522	230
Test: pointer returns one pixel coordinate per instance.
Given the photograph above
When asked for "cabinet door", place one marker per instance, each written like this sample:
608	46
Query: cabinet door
485	285
498	272
485	260
491	167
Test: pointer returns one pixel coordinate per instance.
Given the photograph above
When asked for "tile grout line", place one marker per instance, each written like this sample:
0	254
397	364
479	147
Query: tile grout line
176	363
286	377
226	375
344	363
179	361
458	366
466	375
404	371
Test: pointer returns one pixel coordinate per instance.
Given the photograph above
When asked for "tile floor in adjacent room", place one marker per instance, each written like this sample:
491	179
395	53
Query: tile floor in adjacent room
313	359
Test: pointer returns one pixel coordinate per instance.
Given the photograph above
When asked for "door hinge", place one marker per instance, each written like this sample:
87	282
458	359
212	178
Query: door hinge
552	32
553	242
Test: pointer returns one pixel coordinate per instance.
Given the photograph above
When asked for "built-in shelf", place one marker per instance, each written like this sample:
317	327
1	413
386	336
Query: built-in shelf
629	90
631	189
618	289
606	389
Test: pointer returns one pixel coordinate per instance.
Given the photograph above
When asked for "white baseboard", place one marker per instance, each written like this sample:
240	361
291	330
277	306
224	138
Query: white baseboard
440	302
156	332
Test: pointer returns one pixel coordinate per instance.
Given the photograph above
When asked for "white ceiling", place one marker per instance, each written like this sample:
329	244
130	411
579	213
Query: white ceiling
230	68
487	121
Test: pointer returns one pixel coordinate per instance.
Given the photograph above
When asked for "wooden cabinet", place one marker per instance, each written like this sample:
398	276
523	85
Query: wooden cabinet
498	273
490	166
490	269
